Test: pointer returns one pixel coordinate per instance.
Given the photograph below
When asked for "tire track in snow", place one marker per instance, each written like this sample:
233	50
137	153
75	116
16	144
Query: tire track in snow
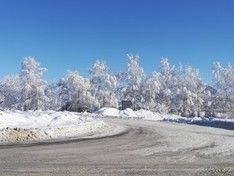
147	148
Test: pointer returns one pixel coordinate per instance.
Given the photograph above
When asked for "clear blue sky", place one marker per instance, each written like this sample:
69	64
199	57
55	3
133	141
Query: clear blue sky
72	34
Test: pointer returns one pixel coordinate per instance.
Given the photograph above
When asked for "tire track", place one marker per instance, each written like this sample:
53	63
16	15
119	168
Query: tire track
146	148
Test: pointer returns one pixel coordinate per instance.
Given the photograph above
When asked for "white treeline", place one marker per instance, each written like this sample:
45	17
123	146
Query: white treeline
169	89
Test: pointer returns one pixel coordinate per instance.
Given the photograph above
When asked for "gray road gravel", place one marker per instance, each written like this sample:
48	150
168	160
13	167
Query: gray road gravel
148	148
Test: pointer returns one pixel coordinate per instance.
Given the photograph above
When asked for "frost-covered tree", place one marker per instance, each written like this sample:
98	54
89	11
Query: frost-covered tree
168	82
229	80
171	89
9	92
158	88
33	88
53	92
76	91
134	77
174	90
150	92
191	92
104	85
223	79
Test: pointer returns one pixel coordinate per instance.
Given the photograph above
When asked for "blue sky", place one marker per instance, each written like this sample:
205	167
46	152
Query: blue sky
72	34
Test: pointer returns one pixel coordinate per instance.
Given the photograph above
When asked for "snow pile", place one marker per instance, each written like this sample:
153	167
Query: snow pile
129	113
31	126
113	112
180	119
153	116
41	119
148	115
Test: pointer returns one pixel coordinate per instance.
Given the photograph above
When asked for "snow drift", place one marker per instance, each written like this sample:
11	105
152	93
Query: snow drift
33	126
129	113
42	119
113	112
154	116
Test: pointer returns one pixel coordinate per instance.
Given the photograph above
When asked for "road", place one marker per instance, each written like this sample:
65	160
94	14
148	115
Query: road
146	148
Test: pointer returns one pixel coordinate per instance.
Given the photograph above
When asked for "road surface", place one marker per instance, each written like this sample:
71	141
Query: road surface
146	148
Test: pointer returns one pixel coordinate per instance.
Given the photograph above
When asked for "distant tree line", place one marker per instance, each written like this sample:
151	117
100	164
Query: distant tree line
169	89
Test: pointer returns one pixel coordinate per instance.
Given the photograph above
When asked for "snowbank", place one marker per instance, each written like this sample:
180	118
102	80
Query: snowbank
113	112
41	119
179	119
129	113
149	115
31	126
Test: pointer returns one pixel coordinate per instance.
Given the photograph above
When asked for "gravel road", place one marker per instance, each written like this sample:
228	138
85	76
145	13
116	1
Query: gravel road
146	148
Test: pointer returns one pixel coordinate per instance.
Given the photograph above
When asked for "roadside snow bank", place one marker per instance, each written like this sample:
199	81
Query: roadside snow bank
113	112
33	126
180	119
41	119
129	113
149	115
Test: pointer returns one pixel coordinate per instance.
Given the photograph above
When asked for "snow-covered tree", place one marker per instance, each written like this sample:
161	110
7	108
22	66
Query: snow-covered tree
9	92
191	92
171	89
55	100
168	82
134	77
33	95
223	78
174	90
76	91
229	80
150	92
104	84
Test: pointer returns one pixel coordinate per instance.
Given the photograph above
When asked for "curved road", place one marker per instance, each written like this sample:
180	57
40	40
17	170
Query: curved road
146	148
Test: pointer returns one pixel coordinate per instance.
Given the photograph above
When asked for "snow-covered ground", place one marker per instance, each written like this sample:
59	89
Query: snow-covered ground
149	115
33	126
128	113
